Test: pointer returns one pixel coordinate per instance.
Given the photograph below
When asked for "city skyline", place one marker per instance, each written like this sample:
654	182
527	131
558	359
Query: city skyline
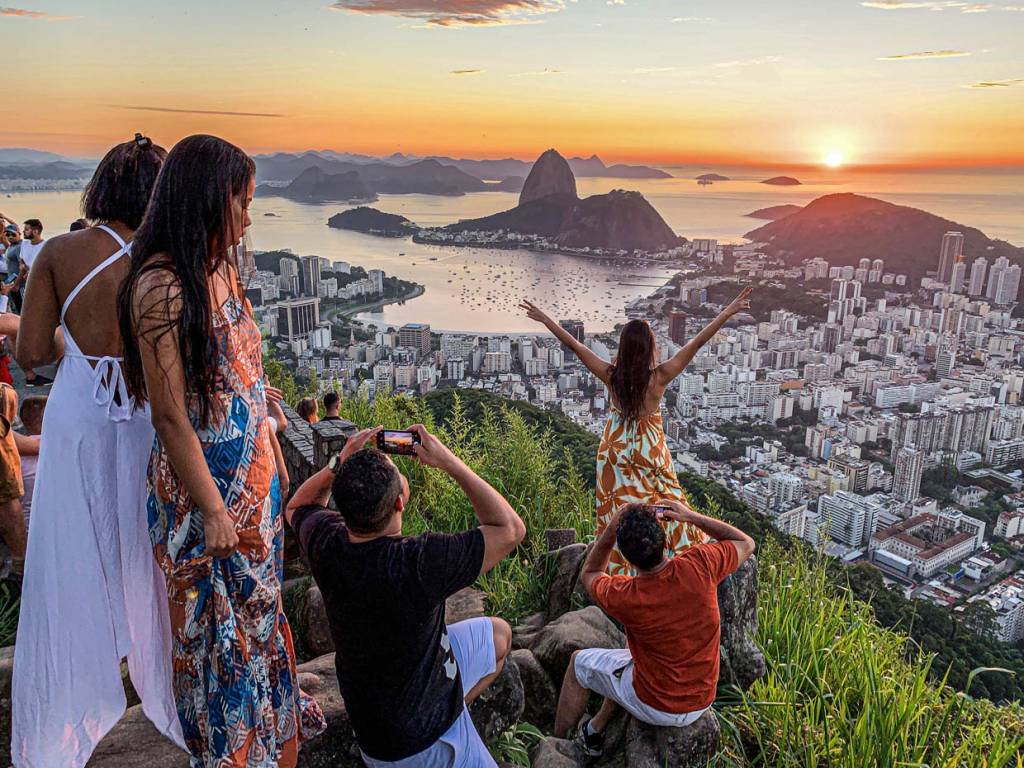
843	83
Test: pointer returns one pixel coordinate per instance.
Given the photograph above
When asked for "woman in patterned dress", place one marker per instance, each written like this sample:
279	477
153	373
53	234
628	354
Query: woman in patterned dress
634	464
193	351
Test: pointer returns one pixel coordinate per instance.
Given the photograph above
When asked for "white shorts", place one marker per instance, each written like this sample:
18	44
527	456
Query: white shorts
609	672
460	746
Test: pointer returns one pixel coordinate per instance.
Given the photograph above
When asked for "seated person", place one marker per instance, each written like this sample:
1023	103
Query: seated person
406	677
332	404
31	414
668	674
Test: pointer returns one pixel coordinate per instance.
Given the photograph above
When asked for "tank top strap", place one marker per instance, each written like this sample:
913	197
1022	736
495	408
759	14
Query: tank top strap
121	251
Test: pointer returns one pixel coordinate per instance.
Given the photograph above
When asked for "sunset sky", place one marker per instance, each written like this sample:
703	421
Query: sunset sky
913	82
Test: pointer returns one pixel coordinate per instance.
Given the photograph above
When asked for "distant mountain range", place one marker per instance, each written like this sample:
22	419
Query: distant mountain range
844	228
55	170
782	181
284	166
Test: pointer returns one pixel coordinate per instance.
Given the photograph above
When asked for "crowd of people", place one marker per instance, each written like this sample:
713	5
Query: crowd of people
159	494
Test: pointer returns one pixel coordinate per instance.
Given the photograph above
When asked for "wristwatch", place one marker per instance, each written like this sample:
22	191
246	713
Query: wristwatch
335	463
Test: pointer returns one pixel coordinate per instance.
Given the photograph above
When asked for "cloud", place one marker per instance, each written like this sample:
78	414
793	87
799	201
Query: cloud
938	5
693	20
468	71
538	73
21	13
139	108
945	54
749	62
652	70
997	83
455	13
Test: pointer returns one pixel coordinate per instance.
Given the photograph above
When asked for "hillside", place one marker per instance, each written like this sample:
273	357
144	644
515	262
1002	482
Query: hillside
313	185
844	228
550	175
782	181
774	212
372	222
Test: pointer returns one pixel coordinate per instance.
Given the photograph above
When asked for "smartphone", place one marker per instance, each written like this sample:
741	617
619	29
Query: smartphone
660	510
397	441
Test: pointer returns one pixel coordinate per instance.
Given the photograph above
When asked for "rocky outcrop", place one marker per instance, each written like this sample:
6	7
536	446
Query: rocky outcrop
619	220
587	628
691	747
539	690
564	566
550	175
500	705
741	660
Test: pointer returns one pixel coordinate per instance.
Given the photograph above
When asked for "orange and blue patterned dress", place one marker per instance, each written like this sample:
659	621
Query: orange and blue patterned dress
634	465
235	681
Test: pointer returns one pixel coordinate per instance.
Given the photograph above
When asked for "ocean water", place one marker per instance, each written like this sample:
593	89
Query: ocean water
479	289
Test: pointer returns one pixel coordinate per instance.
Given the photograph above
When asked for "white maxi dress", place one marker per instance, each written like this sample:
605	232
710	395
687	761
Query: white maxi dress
93	593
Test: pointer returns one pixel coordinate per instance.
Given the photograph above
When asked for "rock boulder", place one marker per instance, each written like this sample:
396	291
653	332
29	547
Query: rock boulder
742	661
586	628
539	690
500	705
550	175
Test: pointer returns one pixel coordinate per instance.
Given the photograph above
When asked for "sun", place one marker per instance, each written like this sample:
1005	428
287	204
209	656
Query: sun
834	158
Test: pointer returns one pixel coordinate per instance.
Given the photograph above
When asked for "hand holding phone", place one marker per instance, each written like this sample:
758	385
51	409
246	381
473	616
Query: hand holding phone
399	441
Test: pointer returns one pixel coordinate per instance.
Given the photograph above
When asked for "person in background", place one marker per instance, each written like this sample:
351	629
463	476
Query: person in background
332	404
634	463
307	410
405	675
12	522
93	594
278	424
78	224
194	352
668	675
31	243
13	258
31	415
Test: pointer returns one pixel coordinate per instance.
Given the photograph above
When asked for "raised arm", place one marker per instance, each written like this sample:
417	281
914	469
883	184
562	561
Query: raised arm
596	563
716	529
157	301
316	491
595	363
38	339
676	364
502	528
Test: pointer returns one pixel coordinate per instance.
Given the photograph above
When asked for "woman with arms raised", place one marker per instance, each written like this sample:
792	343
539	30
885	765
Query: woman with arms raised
92	593
634	464
193	351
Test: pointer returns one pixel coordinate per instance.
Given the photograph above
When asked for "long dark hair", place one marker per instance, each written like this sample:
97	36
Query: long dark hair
121	185
631	371
186	229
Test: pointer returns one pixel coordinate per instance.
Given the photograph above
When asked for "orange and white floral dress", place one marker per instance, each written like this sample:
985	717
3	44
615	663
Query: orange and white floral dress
634	465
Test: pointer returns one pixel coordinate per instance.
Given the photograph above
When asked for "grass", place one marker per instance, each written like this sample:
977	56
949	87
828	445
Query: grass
843	691
10	605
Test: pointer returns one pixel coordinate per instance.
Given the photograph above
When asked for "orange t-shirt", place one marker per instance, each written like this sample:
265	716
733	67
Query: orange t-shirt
672	625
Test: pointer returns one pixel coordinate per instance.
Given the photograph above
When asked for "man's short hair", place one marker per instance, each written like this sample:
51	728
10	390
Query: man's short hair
640	537
365	491
31	413
331	399
36	223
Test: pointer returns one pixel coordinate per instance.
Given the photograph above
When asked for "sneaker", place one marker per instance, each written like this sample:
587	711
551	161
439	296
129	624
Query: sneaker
590	744
39	381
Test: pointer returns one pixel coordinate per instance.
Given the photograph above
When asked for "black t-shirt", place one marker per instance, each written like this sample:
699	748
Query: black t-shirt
385	603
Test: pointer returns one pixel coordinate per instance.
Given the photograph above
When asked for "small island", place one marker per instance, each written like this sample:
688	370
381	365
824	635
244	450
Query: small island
712	177
774	212
782	181
370	221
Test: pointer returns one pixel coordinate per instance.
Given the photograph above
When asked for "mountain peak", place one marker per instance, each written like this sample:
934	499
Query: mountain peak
550	175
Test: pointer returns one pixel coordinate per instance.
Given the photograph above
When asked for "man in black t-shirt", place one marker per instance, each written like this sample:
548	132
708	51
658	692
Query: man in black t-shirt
405	675
332	405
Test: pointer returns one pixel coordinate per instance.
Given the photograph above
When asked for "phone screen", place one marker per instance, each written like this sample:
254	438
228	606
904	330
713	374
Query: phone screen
397	441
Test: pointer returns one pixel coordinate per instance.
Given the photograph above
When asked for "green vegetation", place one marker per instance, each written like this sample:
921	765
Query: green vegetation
843	691
10	605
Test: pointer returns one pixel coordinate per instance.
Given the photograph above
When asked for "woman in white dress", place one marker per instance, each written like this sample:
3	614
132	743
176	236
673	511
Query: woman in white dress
93	593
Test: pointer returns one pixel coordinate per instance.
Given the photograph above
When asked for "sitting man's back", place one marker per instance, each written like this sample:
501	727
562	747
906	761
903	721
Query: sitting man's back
404	674
669	673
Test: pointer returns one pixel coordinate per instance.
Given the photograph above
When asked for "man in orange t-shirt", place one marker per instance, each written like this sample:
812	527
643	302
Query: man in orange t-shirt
668	674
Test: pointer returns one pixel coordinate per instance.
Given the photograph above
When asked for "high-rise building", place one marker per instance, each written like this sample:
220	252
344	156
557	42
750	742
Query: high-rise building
376	277
309	275
677	327
1009	286
297	317
995	276
416	336
832	337
950	251
906	483
575	329
976	286
957	279
849	517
